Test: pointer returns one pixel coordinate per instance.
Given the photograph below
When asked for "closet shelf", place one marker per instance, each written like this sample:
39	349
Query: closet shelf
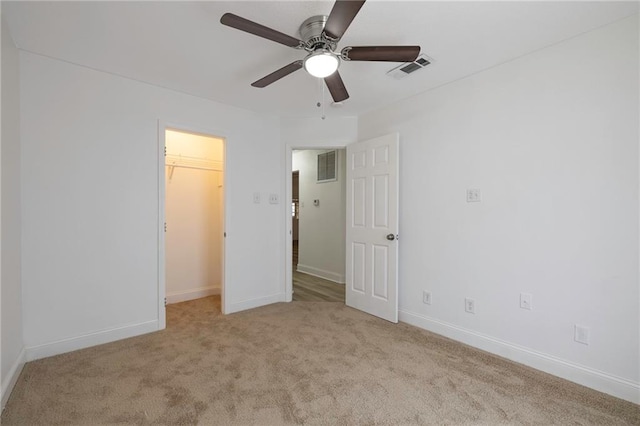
172	160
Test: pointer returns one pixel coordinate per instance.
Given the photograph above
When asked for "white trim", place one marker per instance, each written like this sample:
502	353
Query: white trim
321	273
91	339
196	293
598	380
162	285
12	378
255	303
288	226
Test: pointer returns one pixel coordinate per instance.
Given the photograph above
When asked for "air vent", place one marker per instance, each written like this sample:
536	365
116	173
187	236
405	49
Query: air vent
407	68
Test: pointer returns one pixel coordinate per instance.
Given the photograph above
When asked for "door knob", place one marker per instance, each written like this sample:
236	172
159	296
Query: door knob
391	237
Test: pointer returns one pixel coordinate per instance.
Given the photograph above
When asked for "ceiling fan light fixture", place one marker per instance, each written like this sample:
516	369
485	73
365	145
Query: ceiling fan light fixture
320	36
321	63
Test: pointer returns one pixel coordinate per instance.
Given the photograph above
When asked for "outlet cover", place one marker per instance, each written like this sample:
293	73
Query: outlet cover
256	198
581	334
474	195
470	305
526	301
426	297
273	199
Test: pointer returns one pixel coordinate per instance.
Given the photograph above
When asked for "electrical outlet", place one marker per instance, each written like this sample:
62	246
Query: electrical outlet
581	334
426	297
256	198
273	198
470	305
526	301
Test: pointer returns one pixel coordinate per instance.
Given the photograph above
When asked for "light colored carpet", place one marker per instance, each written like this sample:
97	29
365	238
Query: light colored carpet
297	363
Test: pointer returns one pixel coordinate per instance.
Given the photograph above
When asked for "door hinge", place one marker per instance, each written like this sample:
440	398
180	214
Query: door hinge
165	151
225	235
165	301
165	227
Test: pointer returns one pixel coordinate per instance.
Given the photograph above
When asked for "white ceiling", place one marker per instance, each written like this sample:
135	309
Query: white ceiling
183	46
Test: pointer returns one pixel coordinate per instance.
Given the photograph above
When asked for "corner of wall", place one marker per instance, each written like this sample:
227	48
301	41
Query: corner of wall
10	381
13	353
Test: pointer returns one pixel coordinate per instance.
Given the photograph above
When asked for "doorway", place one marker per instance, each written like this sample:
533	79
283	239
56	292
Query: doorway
318	212
194	216
371	225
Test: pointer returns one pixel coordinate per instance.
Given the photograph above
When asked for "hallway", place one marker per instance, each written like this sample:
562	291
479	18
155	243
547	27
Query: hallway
308	288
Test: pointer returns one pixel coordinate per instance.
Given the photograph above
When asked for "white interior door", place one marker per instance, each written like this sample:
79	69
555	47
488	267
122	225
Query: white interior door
372	227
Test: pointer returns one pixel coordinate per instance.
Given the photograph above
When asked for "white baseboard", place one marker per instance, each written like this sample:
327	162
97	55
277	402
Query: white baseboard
12	378
321	273
254	303
91	339
594	379
196	293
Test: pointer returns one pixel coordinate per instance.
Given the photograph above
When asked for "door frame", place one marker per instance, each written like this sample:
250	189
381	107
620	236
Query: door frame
289	148
163	126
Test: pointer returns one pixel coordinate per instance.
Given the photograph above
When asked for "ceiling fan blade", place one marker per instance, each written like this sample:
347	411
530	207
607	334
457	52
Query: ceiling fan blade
277	75
340	18
381	53
242	24
336	87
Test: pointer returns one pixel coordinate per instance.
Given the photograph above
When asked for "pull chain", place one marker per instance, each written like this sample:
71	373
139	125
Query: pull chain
323	98
320	104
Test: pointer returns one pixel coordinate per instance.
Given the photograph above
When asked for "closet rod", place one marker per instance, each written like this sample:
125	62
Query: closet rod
194	167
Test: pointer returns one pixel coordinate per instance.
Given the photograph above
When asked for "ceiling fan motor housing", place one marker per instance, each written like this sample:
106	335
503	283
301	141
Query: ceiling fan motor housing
311	32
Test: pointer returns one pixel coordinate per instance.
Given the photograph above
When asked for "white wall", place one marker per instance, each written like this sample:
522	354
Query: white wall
12	354
321	249
194	208
90	177
313	132
551	139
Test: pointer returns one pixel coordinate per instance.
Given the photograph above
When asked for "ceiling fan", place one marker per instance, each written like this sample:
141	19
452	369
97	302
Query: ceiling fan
320	36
